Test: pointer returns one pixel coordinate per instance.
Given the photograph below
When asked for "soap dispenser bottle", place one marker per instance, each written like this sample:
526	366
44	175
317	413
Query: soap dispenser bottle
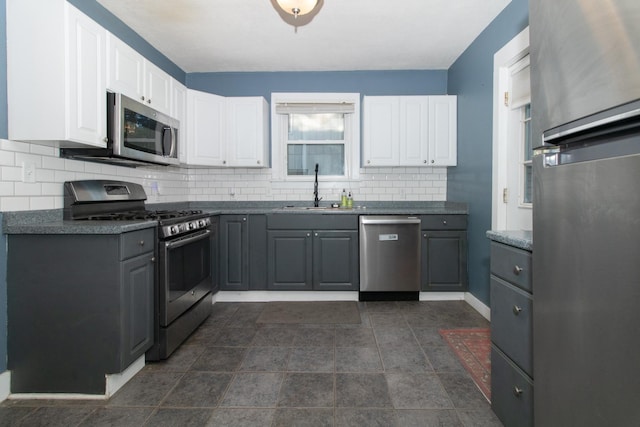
343	199
349	201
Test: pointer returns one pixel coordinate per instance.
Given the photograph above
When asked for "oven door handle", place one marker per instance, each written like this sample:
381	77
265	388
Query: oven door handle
188	239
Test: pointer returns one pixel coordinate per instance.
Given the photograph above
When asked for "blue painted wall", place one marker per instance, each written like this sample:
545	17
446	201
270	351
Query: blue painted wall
420	82
471	78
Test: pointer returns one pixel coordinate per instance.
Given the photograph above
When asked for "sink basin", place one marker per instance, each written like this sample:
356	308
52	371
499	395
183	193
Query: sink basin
307	208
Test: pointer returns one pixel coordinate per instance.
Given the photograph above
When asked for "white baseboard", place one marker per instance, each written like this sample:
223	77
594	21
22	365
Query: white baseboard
269	296
478	305
5	385
113	383
116	381
441	296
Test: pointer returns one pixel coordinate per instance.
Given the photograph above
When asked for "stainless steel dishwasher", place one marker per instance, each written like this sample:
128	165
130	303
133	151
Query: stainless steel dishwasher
389	257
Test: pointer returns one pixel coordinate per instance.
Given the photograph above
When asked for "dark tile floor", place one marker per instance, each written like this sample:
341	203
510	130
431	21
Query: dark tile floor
392	369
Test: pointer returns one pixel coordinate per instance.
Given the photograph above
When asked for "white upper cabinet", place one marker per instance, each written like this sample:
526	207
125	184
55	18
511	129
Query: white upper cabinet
381	133
443	130
414	130
125	69
248	131
227	131
205	129
409	131
132	75
157	86
56	65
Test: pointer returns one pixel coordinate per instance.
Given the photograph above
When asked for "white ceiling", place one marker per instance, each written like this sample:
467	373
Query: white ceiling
250	35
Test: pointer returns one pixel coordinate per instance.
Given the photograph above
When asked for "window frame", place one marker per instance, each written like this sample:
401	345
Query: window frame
524	163
279	136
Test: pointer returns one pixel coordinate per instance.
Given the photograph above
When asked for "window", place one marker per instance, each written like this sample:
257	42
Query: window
316	138
527	154
313	128
520	103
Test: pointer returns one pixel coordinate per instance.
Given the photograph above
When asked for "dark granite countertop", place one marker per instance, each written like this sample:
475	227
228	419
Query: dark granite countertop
51	222
520	239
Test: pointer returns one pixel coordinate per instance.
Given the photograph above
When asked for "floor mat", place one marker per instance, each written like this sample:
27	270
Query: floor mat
311	312
473	349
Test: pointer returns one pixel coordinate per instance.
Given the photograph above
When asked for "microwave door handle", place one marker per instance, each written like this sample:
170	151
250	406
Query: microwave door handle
174	142
163	137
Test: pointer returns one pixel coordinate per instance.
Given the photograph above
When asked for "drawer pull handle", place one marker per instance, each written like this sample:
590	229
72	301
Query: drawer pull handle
153	259
517	270
141	243
516	310
517	391
444	222
193	292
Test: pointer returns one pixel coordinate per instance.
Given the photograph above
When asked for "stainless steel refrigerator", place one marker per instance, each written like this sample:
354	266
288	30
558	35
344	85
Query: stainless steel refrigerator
585	81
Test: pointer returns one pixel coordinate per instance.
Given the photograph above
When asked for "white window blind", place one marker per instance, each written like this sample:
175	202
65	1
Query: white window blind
318	108
520	83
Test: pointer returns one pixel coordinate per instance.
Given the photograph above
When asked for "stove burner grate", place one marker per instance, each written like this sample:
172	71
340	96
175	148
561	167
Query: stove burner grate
143	215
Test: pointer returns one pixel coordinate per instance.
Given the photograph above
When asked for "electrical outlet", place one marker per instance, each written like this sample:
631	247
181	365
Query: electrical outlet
28	172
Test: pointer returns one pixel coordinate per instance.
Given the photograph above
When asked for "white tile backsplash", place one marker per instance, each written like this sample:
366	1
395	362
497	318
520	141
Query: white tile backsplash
164	184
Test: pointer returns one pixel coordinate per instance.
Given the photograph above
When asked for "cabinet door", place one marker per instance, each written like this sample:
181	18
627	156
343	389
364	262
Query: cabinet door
414	130
205	121
335	260
137	307
444	260
157	88
215	254
234	242
289	259
86	76
125	69
247	131
443	139
380	131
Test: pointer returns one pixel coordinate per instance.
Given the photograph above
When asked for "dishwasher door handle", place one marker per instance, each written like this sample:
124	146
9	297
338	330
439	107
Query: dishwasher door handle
409	220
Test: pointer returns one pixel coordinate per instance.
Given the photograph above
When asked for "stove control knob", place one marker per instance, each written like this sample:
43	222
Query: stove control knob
201	223
192	225
173	229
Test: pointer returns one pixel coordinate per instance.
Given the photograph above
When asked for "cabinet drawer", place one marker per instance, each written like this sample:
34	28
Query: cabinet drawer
511	391
312	222
443	222
511	322
137	243
511	264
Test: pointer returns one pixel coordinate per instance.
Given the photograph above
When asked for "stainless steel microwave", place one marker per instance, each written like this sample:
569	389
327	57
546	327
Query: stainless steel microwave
136	135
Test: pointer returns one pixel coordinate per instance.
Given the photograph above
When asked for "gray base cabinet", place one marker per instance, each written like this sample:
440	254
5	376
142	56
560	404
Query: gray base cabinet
290	260
79	307
241	259
312	260
444	253
315	252
335	261
511	335
234	253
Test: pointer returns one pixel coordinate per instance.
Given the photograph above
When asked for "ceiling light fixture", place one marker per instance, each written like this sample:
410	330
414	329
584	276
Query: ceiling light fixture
297	7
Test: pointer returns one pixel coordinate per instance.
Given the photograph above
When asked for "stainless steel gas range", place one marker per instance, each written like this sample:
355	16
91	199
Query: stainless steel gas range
183	250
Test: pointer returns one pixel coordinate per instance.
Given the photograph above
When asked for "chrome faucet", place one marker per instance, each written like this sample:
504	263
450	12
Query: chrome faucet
316	201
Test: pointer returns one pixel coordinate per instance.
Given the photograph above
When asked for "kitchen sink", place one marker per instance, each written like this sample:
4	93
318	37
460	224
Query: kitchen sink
307	208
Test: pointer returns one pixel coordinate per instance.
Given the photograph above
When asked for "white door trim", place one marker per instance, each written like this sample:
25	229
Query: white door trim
513	51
